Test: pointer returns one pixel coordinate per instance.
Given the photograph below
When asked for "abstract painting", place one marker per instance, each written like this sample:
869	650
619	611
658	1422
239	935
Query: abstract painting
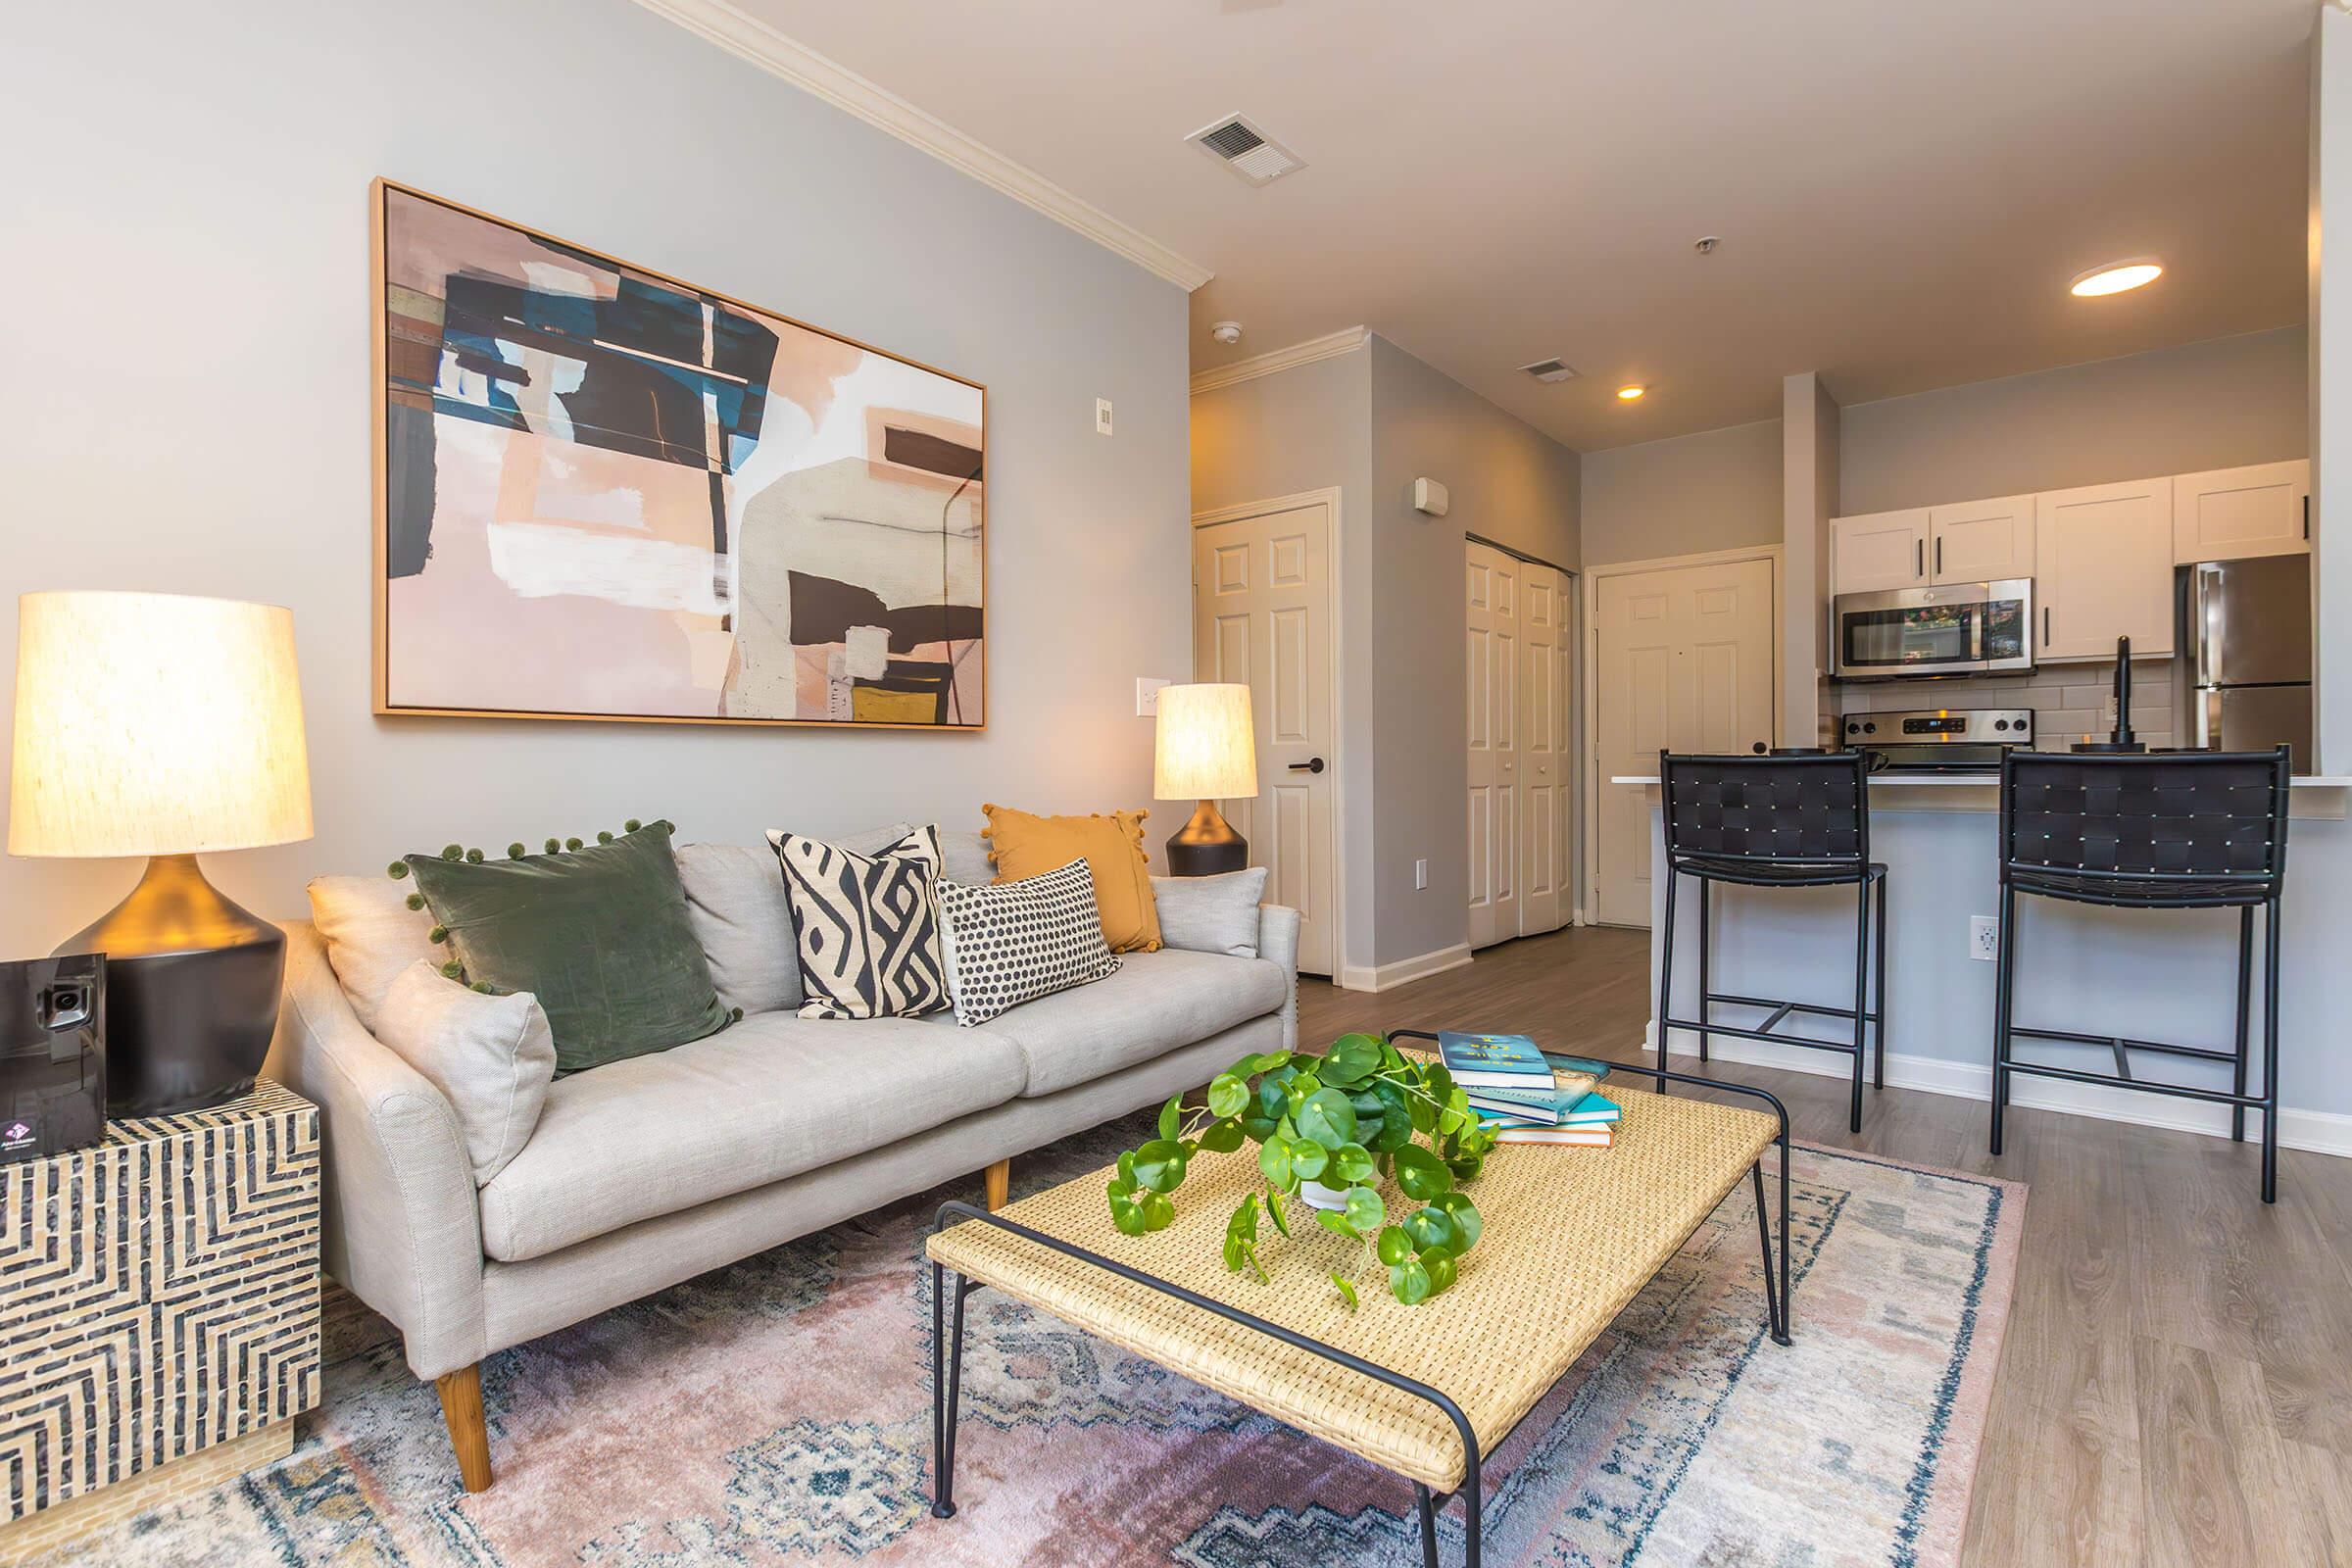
605	494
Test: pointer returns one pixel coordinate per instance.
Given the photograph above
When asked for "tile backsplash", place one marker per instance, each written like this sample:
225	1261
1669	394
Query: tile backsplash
2069	700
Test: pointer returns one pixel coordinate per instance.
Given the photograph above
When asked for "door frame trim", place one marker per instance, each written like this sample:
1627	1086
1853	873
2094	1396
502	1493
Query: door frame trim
1590	634
1329	497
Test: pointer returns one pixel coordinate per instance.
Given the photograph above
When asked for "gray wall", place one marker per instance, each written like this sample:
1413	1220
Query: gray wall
1716	490
1509	483
1370	423
2212	404
1310	428
187	404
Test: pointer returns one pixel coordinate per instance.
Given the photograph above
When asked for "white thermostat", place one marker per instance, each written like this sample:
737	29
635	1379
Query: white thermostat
1429	496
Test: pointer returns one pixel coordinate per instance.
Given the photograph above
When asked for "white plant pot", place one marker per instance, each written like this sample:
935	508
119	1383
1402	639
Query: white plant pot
1314	1195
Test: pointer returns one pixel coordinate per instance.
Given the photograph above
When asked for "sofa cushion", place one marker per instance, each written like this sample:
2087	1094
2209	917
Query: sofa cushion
1211	913
1024	845
1012	942
773	1096
492	1057
966	858
371	936
1155	1002
867	925
735	902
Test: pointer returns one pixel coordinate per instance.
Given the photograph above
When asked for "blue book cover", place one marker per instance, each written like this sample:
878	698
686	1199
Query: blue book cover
1500	1059
1557	1109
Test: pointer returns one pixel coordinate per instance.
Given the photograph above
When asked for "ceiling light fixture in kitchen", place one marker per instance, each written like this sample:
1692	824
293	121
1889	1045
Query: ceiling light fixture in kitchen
2116	277
1631	394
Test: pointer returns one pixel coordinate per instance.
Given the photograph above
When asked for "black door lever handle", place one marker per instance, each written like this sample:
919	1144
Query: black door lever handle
1313	764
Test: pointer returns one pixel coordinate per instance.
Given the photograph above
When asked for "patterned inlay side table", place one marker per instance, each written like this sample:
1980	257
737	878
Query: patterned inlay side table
159	1312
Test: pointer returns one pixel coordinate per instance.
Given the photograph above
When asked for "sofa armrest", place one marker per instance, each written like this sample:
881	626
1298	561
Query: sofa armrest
402	1226
1278	943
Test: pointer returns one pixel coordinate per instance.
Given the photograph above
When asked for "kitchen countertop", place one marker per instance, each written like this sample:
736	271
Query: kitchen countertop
2319	797
1992	778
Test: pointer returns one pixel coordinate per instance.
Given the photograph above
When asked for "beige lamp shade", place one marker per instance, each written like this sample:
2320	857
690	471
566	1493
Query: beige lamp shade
155	724
1206	751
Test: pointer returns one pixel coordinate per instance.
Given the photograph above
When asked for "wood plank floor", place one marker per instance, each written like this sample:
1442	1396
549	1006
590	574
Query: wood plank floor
2176	1385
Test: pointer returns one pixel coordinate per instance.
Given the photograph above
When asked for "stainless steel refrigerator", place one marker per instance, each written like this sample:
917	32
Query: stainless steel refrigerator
2246	627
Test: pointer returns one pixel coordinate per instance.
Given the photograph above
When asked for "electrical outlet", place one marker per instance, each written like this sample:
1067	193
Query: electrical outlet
1983	937
1420	876
1147	696
1102	415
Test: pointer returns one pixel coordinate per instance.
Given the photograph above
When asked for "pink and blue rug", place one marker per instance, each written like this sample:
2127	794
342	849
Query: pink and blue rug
778	1412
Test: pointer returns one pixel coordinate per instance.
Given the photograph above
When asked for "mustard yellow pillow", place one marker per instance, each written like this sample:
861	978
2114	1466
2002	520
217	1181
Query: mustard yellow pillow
1024	845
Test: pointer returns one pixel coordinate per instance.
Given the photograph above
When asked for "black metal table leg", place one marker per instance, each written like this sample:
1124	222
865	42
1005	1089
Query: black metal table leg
1666	980
1853	1115
947	1380
1428	1525
2269	1051
2004	988
2246	1001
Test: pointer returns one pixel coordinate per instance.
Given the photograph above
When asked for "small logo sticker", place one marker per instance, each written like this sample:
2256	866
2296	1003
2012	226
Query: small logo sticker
16	1130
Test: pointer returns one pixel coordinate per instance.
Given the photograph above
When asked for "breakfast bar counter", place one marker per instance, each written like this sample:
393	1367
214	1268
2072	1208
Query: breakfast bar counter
2162	975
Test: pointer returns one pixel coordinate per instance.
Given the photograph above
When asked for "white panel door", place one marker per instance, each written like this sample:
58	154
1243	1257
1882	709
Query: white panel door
1981	541
2103	570
1491	605
1262	616
1879	551
2231	514
1686	664
1545	902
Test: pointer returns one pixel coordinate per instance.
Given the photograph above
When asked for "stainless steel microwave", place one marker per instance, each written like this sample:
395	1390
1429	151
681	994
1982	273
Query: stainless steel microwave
1962	628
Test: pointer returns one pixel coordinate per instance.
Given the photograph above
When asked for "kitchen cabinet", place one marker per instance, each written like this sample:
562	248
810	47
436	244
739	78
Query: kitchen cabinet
1974	541
2234	514
1981	541
2103	570
1883	550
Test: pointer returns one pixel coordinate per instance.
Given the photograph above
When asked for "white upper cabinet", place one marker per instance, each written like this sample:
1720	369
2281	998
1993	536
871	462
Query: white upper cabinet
2103	570
1881	550
2231	513
1981	541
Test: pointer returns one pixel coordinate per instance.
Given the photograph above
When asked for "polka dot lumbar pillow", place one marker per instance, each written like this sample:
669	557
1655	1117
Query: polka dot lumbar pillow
1011	942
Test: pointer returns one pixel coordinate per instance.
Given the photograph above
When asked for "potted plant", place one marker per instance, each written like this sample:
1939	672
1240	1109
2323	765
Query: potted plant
1361	1113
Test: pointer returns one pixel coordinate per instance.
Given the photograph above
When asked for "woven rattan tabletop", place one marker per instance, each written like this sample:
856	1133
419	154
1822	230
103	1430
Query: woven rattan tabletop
1570	1236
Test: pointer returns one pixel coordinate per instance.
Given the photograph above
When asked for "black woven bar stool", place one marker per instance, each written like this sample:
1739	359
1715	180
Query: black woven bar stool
2190	830
1773	821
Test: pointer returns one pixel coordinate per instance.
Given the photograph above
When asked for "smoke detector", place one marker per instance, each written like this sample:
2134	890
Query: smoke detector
1254	157
1226	332
1550	371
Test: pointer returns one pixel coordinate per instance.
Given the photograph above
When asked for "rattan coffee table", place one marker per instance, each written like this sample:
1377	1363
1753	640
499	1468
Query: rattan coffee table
1571	1236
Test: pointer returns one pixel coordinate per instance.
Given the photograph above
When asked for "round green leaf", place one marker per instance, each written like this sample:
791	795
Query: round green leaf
1171	1116
1465	1214
1274	1163
1396	1119
1308	1159
1122	1186
1365	1210
1228	1095
1429	1227
1257	1129
1328	1117
1346	1291
1243	1223
1222	1137
1466	1166
1421	1174
1351	1163
1274	1213
1158	1212
1337	1224
1393	1246
1235	1250
1263	1061
1159	1165
1440	1265
1273	1094
1350	1059
1410	1280
1127	1215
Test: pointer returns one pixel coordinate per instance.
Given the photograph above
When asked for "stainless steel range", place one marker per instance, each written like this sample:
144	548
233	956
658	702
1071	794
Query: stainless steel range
1957	740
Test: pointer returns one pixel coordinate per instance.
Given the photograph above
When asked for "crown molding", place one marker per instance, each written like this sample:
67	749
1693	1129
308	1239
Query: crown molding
1329	346
752	39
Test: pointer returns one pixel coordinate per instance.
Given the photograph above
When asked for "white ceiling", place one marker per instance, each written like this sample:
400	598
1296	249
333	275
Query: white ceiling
1903	190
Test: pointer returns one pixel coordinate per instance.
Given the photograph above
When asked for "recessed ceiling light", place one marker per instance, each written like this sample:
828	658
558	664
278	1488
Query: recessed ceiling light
2115	277
1631	394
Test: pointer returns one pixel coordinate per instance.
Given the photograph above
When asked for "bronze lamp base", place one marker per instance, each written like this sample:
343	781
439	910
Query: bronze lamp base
1207	846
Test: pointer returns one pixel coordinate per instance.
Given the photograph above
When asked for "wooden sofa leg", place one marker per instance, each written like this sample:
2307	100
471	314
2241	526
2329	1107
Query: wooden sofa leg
997	1179
469	1434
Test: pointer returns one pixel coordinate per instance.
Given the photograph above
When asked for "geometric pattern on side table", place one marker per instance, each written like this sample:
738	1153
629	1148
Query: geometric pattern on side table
159	1294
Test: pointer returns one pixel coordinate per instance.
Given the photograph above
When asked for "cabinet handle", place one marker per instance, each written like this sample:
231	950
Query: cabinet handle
1938	558
1921	570
2307	518
2046	625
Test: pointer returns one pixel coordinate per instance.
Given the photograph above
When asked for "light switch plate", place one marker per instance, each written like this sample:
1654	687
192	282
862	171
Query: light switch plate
1102	415
1147	695
1420	876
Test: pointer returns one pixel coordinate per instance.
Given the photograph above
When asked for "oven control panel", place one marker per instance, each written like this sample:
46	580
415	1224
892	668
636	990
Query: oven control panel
1940	726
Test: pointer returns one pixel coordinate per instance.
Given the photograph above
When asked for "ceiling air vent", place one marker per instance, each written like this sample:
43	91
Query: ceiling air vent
1236	144
1550	371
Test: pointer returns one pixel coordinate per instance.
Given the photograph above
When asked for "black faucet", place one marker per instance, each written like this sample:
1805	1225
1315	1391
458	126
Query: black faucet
2119	738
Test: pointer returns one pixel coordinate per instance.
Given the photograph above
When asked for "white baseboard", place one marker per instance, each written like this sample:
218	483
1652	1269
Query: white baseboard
2319	1132
1383	977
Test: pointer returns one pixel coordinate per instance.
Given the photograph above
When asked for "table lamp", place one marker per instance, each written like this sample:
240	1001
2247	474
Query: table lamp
166	726
1206	752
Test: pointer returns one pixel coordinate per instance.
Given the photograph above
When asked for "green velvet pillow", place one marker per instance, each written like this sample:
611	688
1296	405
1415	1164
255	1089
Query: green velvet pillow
599	935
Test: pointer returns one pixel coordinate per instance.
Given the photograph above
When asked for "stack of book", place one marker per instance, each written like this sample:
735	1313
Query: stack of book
1525	1098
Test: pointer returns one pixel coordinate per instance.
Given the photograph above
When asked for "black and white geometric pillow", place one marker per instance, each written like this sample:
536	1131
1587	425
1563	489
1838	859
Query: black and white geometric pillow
867	925
1011	942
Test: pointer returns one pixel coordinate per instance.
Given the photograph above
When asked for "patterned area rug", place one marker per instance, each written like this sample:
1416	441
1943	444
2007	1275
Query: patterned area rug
778	1412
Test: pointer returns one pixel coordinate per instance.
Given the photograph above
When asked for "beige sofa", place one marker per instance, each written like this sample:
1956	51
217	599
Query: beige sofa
649	1171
